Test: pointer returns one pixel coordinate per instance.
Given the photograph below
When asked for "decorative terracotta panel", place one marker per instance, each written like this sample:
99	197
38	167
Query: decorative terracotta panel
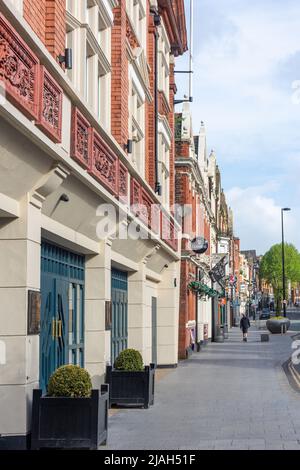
130	34
163	106
123	183
81	139
50	106
104	165
19	70
135	197
155	219
146	206
169	232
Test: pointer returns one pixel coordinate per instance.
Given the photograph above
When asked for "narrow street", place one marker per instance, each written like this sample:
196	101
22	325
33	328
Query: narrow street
230	396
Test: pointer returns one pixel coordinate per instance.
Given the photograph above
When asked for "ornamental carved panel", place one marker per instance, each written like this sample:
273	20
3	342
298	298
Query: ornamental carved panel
135	192
104	165
146	207
169	232
19	70
155	219
50	104
123	183
163	105
81	139
130	34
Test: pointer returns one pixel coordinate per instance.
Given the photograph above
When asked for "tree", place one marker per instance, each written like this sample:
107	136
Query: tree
271	269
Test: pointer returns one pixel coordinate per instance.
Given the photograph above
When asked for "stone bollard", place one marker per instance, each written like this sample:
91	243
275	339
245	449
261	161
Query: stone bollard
264	338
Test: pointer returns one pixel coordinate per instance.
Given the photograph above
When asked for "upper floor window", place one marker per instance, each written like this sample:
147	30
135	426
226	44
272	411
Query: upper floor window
164	63
137	128
164	169
88	29
136	11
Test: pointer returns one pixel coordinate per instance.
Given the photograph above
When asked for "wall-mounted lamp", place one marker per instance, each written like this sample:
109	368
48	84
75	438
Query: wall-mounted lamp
158	189
157	19
67	59
129	146
63	198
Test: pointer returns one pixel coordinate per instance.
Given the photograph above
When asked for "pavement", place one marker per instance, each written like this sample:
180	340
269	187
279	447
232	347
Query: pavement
231	395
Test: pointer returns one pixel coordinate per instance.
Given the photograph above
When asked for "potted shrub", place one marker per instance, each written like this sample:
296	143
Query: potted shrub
278	325
71	415
130	383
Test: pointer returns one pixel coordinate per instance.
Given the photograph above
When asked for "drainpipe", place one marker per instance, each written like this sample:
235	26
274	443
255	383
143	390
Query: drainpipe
197	339
157	22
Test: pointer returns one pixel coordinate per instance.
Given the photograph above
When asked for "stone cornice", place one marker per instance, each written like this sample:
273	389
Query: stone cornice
175	24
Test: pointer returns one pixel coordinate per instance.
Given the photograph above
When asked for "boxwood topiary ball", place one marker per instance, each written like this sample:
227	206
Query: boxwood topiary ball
129	360
70	381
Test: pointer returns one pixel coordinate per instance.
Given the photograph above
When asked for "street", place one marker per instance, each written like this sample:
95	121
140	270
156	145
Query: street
229	396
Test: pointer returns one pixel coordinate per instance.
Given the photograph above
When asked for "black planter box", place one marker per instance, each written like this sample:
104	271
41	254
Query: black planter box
69	423
131	388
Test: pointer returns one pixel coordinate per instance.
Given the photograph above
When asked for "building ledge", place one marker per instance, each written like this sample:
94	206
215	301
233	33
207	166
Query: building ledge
9	208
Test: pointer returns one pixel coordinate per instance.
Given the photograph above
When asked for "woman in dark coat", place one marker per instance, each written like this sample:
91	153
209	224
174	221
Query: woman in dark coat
245	325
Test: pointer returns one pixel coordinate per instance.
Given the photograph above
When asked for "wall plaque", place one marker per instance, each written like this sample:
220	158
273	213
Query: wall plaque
34	312
108	315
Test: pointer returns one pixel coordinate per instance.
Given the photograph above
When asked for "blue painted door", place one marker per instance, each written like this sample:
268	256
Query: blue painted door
119	297
62	310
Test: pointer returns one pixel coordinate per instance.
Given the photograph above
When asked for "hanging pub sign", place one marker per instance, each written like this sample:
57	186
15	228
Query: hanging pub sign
199	245
218	273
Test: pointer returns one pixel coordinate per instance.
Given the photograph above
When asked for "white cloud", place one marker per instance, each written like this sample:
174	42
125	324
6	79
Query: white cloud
247	57
257	217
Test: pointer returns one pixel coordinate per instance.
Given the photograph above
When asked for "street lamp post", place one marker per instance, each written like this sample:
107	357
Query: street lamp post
286	209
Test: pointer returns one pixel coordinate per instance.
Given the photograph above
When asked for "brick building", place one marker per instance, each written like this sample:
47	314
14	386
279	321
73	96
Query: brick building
85	153
208	287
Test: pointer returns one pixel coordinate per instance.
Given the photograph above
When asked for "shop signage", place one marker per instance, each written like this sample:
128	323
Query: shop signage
199	245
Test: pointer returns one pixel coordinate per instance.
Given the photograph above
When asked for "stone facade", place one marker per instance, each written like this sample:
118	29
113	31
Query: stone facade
205	300
65	162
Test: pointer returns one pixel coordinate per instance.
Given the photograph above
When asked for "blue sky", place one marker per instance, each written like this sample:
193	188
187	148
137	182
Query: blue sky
247	61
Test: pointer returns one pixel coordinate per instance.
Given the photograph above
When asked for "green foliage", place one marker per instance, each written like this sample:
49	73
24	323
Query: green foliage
271	267
129	360
70	381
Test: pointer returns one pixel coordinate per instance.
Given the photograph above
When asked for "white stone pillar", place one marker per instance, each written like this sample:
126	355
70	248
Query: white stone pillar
168	316
97	292
138	326
19	272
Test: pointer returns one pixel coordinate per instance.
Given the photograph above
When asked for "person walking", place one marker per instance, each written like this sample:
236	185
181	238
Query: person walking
244	326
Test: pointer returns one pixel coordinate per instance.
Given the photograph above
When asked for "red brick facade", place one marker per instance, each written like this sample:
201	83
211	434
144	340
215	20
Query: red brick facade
47	19
55	30
35	15
150	108
120	81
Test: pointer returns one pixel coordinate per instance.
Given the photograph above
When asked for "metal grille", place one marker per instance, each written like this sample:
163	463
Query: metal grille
119	334
62	263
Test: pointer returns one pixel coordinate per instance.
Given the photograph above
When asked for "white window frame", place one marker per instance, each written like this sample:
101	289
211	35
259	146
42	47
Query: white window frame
164	53
136	12
93	82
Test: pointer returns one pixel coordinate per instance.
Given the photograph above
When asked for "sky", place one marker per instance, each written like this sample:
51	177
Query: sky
247	92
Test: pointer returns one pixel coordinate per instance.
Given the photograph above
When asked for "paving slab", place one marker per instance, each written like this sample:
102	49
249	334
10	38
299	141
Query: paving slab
230	395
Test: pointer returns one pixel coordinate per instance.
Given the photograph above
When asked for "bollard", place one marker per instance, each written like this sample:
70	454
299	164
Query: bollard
264	338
